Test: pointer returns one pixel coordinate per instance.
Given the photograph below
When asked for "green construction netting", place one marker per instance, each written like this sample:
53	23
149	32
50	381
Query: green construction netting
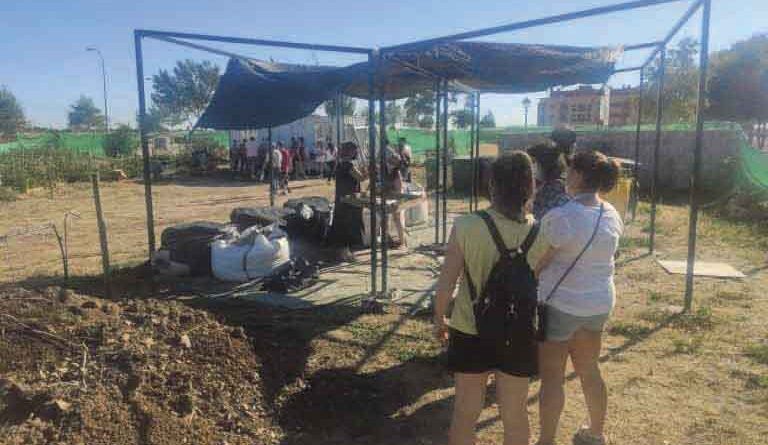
88	142
422	141
81	142
754	168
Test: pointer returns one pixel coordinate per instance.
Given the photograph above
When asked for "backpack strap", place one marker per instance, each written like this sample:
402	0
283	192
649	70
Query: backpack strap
522	249
495	234
530	238
470	284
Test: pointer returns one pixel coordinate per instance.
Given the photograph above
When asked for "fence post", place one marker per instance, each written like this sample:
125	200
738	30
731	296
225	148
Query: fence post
102	234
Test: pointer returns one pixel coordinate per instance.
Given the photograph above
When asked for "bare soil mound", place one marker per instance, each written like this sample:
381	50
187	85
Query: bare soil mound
80	370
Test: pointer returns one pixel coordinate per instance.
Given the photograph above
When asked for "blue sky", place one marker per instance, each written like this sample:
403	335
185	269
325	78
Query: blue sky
45	63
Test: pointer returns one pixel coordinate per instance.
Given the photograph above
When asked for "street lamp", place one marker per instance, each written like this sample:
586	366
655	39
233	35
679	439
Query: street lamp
104	79
526	105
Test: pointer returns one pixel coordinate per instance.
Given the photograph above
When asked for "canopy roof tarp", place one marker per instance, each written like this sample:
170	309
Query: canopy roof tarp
254	94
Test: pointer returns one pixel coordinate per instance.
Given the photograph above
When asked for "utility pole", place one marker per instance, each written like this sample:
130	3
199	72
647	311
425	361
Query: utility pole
104	81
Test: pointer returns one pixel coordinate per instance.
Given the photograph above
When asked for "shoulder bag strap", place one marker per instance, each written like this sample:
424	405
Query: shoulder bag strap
578	257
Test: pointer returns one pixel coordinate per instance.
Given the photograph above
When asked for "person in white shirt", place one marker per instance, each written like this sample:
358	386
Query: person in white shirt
577	290
251	154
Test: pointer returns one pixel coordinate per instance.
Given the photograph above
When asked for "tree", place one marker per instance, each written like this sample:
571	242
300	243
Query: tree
681	76
488	121
393	113
121	141
462	118
11	114
347	106
183	95
420	109
155	121
738	87
84	115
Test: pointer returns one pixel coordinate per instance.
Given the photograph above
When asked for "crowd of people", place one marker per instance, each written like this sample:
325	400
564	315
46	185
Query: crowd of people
526	284
251	158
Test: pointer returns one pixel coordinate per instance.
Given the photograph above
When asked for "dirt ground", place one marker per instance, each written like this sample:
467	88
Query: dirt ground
332	375
192	199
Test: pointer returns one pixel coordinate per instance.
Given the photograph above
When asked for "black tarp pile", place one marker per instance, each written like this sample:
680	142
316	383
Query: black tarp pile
255	94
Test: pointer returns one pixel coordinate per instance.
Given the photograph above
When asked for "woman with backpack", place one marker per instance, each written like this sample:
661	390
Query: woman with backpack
490	328
577	294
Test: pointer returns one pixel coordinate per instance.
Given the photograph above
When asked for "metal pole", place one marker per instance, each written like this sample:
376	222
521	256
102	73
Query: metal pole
372	60
636	166
478	174
437	162
532	23
472	151
339	117
696	173
445	159
657	148
248	41
271	169
144	145
102	227
383	169
104	81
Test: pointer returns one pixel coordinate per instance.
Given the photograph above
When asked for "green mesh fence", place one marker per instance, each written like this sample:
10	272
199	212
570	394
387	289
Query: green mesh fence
754	168
423	141
92	143
81	142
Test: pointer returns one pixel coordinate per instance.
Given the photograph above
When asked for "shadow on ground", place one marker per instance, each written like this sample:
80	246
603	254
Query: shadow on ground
330	404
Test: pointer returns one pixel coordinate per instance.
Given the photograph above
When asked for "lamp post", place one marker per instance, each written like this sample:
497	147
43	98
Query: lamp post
526	106
104	80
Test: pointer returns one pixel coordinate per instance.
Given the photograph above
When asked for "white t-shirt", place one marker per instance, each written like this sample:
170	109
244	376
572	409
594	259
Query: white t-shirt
251	149
588	289
277	158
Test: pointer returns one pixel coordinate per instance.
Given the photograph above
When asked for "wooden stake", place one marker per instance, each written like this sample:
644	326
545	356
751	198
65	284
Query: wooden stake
102	235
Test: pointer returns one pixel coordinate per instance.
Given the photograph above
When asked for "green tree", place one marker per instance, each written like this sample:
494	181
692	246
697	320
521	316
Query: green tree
681	76
488	121
420	109
347	106
84	115
462	118
11	114
738	87
155	121
183	94
121	141
393	113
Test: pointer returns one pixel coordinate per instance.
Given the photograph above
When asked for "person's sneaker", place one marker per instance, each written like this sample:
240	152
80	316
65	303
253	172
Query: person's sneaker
585	437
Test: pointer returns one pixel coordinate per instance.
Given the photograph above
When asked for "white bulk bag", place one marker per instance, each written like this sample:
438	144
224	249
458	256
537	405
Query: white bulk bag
416	212
251	255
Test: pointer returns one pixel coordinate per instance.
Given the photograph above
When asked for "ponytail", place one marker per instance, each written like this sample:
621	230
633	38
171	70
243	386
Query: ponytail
599	172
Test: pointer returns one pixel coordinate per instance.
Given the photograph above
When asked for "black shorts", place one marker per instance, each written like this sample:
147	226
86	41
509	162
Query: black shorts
470	354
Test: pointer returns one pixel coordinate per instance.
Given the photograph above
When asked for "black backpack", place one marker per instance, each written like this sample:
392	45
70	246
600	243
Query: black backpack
506	309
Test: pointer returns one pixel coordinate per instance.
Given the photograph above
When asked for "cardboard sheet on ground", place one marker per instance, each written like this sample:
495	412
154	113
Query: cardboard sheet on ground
702	269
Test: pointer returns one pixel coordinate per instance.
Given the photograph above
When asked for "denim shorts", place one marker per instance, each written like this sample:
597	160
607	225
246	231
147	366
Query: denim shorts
561	325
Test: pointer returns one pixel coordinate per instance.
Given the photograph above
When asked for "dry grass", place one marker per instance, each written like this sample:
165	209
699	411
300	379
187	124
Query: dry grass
344	378
124	210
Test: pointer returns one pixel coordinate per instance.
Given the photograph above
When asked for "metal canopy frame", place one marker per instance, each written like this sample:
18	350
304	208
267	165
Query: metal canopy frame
441	89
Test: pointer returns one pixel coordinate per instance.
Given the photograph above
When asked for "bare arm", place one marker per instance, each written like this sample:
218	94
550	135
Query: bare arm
453	266
544	261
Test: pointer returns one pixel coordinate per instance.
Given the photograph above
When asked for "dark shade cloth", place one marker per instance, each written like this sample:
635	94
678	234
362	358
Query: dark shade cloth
254	94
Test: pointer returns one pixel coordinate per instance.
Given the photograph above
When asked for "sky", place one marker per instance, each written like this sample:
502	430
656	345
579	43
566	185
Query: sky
45	64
